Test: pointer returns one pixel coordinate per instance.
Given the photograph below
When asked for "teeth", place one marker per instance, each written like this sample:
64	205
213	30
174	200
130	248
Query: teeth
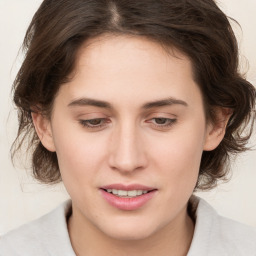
122	192
125	193
139	192
132	193
115	192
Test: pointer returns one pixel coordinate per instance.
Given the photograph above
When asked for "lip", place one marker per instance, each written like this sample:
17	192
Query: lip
127	204
128	187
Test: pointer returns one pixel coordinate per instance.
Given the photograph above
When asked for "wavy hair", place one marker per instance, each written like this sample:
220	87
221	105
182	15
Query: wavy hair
198	28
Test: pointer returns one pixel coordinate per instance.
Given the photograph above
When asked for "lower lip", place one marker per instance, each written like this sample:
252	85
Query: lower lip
127	204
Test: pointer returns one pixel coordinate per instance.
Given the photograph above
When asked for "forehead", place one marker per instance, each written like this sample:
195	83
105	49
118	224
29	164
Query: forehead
127	49
119	69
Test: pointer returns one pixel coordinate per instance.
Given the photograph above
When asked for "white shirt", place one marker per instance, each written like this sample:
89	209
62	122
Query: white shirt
213	236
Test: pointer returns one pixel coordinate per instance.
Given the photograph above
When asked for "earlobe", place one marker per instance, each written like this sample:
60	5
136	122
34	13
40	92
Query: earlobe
44	131
216	129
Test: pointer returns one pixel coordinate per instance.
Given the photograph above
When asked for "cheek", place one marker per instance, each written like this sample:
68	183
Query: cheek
179	156
79	155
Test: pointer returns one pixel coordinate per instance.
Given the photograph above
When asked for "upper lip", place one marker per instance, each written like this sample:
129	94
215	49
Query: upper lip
128	187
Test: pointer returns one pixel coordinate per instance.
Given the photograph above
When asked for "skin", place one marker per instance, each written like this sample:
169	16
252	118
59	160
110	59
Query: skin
130	146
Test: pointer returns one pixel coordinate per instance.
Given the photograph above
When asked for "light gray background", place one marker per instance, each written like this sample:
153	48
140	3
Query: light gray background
22	199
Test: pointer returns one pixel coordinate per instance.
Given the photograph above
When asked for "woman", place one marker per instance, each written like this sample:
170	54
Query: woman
134	105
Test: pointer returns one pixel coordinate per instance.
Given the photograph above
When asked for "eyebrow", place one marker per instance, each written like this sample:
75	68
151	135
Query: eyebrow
103	104
164	102
90	102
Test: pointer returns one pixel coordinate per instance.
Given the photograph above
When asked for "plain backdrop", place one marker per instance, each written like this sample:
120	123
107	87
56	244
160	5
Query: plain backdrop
23	199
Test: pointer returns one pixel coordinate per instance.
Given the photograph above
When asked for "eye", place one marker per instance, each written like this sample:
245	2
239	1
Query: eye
161	122
95	123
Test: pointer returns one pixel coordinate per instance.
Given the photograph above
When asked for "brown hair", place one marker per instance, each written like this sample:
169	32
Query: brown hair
197	28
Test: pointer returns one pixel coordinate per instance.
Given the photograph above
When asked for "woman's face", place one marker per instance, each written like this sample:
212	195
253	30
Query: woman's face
130	121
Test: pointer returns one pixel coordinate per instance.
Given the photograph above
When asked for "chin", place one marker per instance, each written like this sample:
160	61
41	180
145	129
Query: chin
128	231
133	235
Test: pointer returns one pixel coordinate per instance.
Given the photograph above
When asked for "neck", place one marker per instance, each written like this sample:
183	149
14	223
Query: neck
173	239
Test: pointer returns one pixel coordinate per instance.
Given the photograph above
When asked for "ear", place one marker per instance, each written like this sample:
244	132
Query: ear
43	130
216	129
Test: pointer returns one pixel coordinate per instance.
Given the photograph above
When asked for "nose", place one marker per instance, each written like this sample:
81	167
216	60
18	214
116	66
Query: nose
127	150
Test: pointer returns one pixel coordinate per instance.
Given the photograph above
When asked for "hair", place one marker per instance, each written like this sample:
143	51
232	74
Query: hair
197	28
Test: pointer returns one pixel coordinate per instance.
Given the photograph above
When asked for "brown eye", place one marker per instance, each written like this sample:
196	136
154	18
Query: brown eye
160	120
94	123
162	123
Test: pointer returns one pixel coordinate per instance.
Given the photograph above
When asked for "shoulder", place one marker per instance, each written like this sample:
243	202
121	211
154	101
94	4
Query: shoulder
236	237
40	237
217	235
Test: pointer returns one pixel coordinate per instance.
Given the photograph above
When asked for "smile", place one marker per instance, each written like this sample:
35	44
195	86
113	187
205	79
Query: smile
127	194
127	197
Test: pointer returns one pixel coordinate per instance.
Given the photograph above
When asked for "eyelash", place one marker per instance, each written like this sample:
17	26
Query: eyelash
86	123
170	122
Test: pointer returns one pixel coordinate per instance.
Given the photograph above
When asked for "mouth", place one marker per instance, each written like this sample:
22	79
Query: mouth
127	193
128	197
